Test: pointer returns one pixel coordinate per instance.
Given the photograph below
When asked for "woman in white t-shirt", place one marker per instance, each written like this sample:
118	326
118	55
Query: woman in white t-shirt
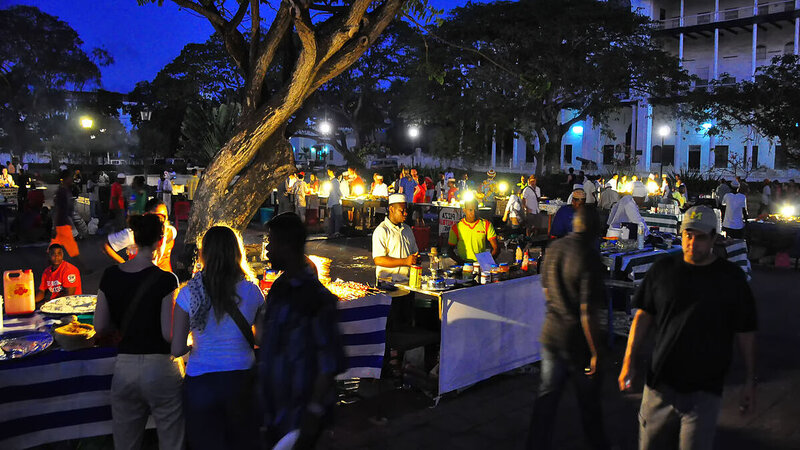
735	213
219	306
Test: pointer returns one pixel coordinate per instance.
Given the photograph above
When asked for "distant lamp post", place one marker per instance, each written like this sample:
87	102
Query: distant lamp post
325	127
577	129
706	126
413	132
87	122
145	114
663	131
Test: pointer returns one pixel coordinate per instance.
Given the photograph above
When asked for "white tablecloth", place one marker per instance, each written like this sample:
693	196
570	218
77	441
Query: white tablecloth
488	330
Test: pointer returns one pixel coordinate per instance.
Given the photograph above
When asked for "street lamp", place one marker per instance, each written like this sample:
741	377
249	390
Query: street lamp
87	122
663	131
413	132
325	127
145	114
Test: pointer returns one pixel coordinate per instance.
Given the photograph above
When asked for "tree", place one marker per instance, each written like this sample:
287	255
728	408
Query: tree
358	100
41	59
770	104
532	59
309	53
206	129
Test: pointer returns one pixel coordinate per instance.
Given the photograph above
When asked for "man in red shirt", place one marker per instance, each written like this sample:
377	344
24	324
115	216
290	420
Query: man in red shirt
117	203
60	278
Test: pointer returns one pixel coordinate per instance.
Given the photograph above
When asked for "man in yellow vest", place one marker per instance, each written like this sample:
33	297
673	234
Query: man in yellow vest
471	235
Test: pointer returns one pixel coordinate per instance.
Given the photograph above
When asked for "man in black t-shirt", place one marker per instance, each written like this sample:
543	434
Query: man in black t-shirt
572	278
697	305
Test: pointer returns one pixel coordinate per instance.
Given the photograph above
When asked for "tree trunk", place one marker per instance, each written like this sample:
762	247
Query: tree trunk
222	199
552	151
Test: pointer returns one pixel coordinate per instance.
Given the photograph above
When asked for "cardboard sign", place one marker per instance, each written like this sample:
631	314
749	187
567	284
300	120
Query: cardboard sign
448	217
485	260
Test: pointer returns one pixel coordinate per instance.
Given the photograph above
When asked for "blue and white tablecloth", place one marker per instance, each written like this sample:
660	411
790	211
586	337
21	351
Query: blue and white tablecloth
669	223
736	252
362	323
635	264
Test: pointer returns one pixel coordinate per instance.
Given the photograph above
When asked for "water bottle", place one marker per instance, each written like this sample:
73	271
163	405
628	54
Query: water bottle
640	238
434	256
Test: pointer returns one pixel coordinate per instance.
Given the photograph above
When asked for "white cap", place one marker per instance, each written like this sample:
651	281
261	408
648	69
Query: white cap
120	175
397	198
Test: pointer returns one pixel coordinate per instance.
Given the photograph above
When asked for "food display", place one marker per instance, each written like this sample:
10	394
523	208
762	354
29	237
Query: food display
19	344
350	290
74	335
71	304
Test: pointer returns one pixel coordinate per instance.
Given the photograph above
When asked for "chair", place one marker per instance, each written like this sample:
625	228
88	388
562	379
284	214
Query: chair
180	211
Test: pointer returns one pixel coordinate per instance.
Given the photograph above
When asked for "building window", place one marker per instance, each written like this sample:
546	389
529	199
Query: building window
694	157
655	157
761	53
721	156
788	49
568	153
780	157
668	155
754	157
608	154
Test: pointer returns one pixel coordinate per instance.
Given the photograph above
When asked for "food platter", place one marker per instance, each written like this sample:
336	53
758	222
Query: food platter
19	344
71	304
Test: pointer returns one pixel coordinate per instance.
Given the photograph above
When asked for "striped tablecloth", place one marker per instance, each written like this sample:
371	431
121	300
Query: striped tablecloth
635	264
62	395
736	252
362	323
665	222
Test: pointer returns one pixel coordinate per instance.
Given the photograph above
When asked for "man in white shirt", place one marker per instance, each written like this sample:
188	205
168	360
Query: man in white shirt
440	191
530	201
124	239
164	190
300	191
735	213
334	206
379	189
394	248
625	210
591	189
766	198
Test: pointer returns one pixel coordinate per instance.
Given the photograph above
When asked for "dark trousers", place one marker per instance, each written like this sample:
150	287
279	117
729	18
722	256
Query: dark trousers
220	411
557	368
734	233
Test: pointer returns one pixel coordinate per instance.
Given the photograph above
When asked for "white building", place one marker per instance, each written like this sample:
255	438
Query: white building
712	38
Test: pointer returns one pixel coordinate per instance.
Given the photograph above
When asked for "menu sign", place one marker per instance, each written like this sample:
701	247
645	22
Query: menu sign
448	217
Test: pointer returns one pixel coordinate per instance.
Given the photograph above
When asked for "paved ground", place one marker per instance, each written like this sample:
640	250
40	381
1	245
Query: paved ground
495	413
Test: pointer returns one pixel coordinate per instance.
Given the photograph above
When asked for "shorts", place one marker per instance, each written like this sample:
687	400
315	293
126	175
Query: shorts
64	238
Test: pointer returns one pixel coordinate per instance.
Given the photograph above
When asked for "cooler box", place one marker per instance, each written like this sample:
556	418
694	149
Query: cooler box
265	214
423	237
18	291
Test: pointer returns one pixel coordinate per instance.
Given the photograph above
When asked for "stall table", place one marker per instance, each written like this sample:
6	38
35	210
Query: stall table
487	330
60	395
669	223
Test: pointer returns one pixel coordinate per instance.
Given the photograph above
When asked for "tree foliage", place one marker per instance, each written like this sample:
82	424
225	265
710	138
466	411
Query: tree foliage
41	59
206	129
517	65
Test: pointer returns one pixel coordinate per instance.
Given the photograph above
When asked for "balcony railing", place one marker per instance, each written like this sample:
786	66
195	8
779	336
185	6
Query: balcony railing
726	15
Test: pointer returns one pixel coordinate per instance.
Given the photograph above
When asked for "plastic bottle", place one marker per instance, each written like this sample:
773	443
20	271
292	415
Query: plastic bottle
435	262
518	255
525	261
640	238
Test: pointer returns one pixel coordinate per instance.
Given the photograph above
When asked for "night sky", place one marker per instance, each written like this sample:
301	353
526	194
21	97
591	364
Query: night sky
142	39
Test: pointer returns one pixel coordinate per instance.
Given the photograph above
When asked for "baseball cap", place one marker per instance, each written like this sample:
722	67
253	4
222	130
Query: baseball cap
578	193
397	198
491	173
700	218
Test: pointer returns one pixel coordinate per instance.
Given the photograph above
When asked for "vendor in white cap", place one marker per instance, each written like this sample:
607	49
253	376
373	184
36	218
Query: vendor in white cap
164	190
562	221
394	248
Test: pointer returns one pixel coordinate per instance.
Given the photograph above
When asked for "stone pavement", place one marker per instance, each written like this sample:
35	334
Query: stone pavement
495	413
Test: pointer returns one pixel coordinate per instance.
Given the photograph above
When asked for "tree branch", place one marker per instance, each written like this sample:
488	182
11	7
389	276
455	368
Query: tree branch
213	16
377	21
266	53
342	29
237	18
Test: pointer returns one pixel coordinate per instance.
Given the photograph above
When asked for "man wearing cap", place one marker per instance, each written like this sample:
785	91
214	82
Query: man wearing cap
394	248
562	221
697	305
379	188
530	201
471	236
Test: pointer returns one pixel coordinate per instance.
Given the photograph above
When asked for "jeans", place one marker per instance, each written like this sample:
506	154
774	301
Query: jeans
335	219
220	410
557	367
674	420
145	385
